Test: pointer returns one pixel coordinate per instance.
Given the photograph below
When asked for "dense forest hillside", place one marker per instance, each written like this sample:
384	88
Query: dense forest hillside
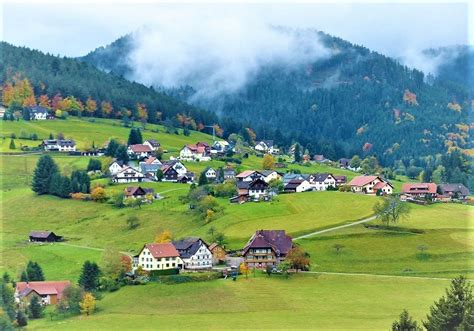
51	75
355	102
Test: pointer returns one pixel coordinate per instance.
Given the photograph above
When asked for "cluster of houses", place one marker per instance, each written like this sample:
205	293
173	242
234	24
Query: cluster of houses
434	192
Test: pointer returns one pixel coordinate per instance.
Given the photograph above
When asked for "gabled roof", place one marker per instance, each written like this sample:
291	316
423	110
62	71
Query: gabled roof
188	247
294	183
42	288
153	142
454	188
140	148
137	190
162	250
340	178
151	159
41	234
362	180
269	143
277	240
268	172
419	188
321	177
38	110
229	171
127	168
380	185
214	245
245	174
60	142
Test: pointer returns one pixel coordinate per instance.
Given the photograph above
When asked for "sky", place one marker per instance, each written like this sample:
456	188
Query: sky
390	28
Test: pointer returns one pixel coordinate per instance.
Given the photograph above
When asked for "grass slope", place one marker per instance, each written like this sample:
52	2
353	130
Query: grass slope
301	302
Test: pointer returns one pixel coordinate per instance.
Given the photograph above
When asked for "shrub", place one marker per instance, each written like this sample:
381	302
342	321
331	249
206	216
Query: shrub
98	194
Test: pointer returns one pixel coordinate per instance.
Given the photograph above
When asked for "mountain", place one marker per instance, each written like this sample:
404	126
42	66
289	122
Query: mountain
67	76
355	102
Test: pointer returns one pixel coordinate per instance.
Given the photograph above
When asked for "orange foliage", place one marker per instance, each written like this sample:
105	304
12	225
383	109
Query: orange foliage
91	105
142	111
44	101
106	107
410	98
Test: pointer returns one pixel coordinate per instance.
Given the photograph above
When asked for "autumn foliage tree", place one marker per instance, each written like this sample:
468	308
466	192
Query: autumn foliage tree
88	304
268	162
244	270
91	106
98	194
298	259
164	237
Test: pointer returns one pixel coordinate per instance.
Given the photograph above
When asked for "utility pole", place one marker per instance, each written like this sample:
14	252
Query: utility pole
213	131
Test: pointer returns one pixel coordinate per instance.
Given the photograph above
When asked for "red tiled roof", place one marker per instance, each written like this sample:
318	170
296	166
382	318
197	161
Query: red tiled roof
245	173
43	288
380	185
139	148
162	250
418	188
362	180
150	160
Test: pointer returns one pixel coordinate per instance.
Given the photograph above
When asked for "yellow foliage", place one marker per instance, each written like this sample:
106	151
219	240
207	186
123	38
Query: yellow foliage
268	162
87	304
454	106
410	98
164	237
98	194
244	269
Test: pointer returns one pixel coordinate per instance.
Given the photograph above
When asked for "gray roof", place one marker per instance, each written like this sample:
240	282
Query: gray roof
453	188
188	247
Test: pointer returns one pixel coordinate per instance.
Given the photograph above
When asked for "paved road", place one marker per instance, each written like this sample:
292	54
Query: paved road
365	220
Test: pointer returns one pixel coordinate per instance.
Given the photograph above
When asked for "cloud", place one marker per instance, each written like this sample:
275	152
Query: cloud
216	55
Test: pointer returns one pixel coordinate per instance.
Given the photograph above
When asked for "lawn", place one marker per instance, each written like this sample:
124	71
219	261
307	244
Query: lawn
301	302
446	231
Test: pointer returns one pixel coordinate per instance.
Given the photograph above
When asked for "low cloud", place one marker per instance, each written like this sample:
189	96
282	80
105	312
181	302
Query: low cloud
216	56
428	61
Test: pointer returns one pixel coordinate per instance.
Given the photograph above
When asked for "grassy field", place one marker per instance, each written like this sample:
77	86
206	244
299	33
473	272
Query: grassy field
301	302
445	230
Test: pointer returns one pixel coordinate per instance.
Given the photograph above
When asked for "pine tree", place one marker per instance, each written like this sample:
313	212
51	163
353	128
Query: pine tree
405	323
297	153
35	308
21	319
122	154
135	136
89	279
34	272
23	276
112	148
7	297
45	169
65	189
55	184
12	144
454	309
203	179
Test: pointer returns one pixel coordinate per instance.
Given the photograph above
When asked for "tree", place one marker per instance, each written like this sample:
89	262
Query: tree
65	188
35	308
391	210
5	324
88	304
268	162
34	272
91	106
80	181
203	179
284	267
7	297
298	259
405	323
45	169
112	263
21	319
297	153
12	144
72	296
121	154
244	270
159	175
89	279
220	239
94	165
164	237
135	137
112	148
118	200
269	269
98	194
453	310
338	247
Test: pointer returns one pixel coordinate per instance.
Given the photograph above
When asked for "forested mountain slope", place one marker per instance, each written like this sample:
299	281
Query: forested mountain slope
354	102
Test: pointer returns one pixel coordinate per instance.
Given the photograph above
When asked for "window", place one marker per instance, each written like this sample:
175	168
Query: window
167	265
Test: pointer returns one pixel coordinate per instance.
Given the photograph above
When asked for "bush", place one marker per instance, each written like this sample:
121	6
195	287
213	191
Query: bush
154	274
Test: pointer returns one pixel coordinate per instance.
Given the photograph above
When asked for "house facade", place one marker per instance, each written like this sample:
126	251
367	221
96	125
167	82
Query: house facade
38	113
128	175
194	253
321	182
152	143
267	247
196	152
50	292
370	185
249	176
210	174
454	191
340	180
270	175
139	151
150	165
218	253
266	146
59	145
229	174
253	190
115	167
163	256
297	186
138	192
420	190
221	146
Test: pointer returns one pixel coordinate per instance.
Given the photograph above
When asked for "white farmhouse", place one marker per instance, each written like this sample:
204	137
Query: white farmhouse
115	167
59	145
128	175
270	175
210	173
38	113
266	146
152	143
195	253
297	186
321	182
162	256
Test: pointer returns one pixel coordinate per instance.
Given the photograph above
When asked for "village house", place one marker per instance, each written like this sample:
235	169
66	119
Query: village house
187	178
453	191
169	174
221	146
340	180
200	151
176	165
152	143
210	174
50	292
128	175
419	190
218	253
297	186
289	177
319	158
267	247
163	256
138	192
266	146
251	190
270	175
44	236
150	165
321	182
249	175
195	253
115	167
139	151
38	113
59	145
344	163
370	185
229	174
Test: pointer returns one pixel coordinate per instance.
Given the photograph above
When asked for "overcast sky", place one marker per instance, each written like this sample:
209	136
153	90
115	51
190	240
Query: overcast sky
392	29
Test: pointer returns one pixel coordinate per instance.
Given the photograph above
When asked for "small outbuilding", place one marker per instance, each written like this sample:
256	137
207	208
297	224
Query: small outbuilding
44	236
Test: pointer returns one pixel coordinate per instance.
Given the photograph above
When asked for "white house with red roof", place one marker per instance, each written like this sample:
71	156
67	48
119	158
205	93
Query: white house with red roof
421	190
200	151
370	185
163	256
49	292
139	151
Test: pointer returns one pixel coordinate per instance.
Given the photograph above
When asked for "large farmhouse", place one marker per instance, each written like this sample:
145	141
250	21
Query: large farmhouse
163	256
59	145
267	247
419	190
128	175
321	182
200	151
370	185
195	253
139	151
